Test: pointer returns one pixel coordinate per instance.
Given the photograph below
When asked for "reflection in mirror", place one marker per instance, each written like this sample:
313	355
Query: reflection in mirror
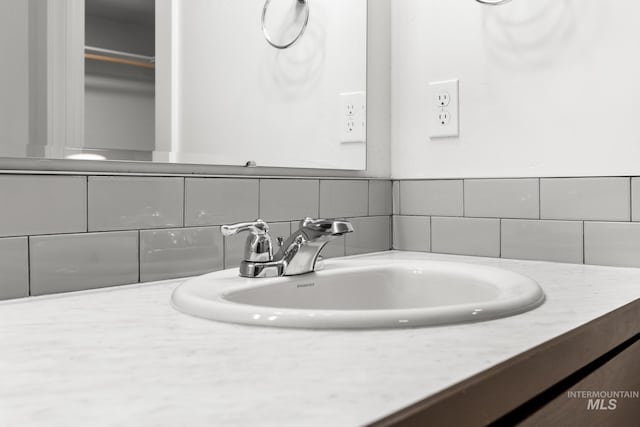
119	87
185	81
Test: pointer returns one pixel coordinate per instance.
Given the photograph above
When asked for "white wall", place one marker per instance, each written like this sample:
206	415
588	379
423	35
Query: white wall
547	87
239	99
14	77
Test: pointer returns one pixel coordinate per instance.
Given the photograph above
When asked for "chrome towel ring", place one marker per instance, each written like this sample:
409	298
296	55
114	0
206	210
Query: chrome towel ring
493	2
267	36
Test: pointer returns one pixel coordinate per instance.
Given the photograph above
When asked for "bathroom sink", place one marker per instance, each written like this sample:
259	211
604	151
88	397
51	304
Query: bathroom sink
363	292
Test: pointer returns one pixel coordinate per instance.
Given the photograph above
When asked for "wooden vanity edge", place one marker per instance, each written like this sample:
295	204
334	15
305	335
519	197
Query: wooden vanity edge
493	393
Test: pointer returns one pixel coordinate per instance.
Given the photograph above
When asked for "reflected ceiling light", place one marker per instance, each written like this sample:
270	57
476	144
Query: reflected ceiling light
85	156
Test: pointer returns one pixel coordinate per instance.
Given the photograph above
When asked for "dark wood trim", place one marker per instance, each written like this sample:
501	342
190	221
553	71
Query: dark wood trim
489	395
619	370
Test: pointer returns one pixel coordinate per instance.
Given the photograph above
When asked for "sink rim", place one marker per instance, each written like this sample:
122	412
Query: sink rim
204	297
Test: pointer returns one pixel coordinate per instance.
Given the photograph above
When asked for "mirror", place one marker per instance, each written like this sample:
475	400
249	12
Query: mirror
197	81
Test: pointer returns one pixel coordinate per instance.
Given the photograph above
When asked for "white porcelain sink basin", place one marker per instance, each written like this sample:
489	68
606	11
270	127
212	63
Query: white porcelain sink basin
363	292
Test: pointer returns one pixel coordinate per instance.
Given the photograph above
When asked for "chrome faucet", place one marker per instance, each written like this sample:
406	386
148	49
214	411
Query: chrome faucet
297	255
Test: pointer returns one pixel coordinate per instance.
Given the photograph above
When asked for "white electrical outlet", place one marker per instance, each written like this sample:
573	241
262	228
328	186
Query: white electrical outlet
444	109
353	117
444	117
444	99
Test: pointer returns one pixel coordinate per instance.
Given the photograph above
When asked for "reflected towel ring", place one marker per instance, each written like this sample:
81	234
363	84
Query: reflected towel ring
493	2
267	36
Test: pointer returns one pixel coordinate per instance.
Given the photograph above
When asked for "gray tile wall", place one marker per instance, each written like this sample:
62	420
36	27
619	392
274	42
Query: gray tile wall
62	233
542	240
341	199
501	198
575	220
277	203
370	234
14	265
220	201
604	199
466	236
37	204
412	233
73	262
439	197
169	254
612	243
129	203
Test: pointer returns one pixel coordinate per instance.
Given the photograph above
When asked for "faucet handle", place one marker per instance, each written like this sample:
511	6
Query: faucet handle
258	247
258	227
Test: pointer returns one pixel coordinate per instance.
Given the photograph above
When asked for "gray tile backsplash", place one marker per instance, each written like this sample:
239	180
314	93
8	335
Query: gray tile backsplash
370	234
501	198
598	199
14	268
182	252
380	198
395	203
550	219
72	262
412	233
559	241
61	233
219	201
42	204
342	198
287	199
127	203
466	236
612	243
635	199
436	197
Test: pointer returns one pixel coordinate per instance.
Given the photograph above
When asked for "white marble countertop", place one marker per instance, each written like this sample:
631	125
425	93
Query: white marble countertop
124	356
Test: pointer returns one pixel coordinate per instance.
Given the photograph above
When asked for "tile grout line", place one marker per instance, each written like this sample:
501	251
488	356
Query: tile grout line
464	212
500	238
630	199
29	266
539	198
390	243
368	198
184	202
399	198
139	258
584	255
430	234
86	202
259	198
319	197
224	252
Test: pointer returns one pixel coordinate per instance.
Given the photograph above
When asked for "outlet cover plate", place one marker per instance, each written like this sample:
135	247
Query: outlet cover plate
443	102
353	117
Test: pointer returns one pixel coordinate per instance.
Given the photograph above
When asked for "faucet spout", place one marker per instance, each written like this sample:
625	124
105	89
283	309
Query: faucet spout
326	227
299	253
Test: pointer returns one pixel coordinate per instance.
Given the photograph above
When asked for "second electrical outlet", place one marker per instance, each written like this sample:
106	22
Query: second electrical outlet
443	109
